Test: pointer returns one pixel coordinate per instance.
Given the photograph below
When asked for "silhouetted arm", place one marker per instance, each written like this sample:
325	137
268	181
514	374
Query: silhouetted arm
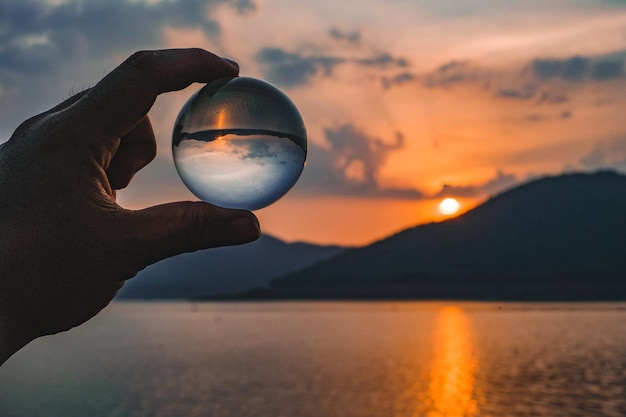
66	247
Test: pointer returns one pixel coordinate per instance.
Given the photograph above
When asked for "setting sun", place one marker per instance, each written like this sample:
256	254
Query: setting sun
449	206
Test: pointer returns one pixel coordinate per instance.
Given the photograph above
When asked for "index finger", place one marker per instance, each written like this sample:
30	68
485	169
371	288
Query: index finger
124	96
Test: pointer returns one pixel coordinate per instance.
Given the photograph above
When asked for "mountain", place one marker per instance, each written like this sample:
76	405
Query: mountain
556	238
221	271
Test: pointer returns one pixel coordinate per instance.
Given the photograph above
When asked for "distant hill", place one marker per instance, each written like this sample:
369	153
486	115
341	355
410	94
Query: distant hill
223	271
556	238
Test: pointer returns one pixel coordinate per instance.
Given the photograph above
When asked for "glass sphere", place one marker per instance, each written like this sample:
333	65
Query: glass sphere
239	143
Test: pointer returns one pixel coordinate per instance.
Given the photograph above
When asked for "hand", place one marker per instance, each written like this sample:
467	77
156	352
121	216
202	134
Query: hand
66	247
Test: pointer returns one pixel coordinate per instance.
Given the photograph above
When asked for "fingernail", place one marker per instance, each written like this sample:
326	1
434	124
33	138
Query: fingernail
231	62
245	229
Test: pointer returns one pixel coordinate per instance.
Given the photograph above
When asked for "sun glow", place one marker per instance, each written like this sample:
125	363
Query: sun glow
449	206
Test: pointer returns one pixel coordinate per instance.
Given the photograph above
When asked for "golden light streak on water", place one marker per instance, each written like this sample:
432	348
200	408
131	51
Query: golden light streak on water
452	387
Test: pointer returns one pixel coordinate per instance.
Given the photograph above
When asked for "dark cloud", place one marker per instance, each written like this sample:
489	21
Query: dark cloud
36	36
551	97
352	37
607	70
46	49
455	73
499	183
383	60
577	69
399	79
291	69
574	68
532	93
243	6
534	82
452	73
351	165
526	92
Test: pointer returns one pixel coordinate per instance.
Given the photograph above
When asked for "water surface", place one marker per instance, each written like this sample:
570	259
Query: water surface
327	359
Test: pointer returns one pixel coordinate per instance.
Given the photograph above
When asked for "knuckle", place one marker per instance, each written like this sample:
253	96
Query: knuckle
142	60
142	67
197	53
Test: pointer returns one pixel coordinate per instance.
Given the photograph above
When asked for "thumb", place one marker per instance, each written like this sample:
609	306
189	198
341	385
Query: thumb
171	229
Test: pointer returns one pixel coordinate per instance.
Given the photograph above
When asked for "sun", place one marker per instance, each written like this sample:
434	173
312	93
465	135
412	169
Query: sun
449	206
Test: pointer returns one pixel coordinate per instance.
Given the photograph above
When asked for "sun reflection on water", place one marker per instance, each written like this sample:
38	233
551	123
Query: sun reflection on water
452	385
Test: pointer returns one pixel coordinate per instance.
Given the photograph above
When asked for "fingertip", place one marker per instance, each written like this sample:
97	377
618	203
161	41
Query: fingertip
244	229
170	229
232	63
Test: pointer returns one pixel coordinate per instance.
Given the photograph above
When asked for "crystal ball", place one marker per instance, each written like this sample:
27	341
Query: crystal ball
239	143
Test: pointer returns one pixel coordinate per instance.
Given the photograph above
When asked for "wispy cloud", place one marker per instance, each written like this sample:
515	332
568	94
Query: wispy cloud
499	183
606	154
398	79
353	37
454	73
541	81
382	60
351	165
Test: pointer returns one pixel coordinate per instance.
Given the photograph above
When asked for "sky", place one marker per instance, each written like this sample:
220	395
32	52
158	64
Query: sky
406	102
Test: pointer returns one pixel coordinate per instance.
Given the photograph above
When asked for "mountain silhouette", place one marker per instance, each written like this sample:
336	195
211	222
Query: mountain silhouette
556	238
222	271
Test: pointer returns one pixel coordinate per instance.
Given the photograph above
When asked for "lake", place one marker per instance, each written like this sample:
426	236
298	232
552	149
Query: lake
327	359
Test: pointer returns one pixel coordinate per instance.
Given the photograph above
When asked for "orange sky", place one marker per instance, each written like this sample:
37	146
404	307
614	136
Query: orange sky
405	102
472	109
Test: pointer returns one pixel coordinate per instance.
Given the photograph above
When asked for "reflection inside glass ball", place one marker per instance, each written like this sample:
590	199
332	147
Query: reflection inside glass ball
239	143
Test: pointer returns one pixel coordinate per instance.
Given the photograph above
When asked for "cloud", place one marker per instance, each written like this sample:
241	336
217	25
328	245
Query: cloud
551	97
609	154
541	80
291	69
577	69
572	69
453	73
505	84
526	92
383	60
499	183
510	84
607	70
257	150
36	35
534	92
351	37
351	165
244	6
399	79
47	48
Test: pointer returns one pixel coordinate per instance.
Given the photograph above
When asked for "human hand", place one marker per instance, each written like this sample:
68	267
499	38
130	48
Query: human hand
66	246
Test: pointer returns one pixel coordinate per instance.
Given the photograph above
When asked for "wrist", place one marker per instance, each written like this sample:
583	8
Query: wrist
10	340
13	335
